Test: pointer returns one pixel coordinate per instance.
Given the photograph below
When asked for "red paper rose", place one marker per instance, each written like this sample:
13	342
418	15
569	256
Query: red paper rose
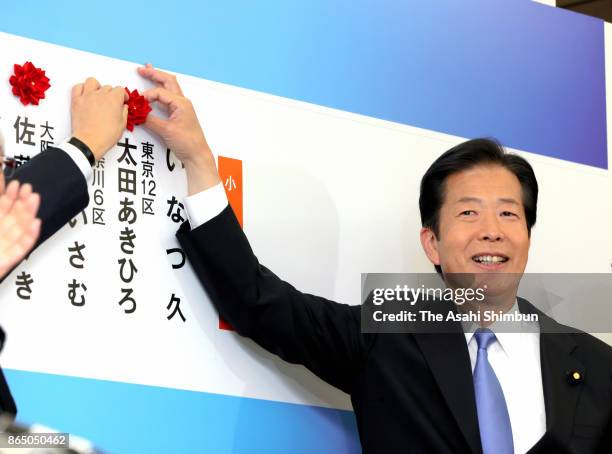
138	109
29	83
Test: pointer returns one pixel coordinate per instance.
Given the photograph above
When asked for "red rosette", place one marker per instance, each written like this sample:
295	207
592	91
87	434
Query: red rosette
138	109
29	83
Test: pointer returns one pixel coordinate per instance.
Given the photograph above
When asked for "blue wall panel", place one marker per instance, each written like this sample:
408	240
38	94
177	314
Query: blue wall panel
129	418
529	74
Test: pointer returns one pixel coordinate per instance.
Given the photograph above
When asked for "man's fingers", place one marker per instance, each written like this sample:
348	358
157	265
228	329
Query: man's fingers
32	203
35	228
24	244
91	84
120	93
21	212
10	230
156	124
25	237
21	245
167	81
123	92
6	204
25	190
30	200
106	88
19	229
31	233
18	221
8	198
163	96
12	189
77	90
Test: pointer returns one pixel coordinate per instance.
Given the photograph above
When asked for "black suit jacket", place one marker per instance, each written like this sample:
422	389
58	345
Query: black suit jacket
410	392
63	194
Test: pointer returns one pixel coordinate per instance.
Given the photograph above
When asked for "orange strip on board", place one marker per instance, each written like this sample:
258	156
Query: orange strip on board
230	171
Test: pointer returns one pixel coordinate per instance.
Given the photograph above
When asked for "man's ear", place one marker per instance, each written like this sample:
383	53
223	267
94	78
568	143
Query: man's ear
430	245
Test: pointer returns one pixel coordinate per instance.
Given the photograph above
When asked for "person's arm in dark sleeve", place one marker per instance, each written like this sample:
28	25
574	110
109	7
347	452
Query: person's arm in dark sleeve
300	328
62	184
59	176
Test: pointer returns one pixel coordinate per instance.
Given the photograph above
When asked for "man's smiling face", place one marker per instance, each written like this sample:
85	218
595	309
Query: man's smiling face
482	225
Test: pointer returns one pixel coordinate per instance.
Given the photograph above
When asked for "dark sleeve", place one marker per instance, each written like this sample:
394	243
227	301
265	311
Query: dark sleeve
61	185
63	194
322	335
7	403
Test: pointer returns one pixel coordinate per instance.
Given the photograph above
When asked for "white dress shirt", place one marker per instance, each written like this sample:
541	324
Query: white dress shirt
205	205
78	157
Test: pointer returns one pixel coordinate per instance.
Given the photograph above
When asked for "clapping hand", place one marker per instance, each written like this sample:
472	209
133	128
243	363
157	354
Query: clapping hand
19	227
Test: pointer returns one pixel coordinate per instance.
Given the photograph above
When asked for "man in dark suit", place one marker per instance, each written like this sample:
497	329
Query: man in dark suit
549	390
53	184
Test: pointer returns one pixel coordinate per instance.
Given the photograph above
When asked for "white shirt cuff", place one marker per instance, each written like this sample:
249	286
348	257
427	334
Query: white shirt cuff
205	205
78	157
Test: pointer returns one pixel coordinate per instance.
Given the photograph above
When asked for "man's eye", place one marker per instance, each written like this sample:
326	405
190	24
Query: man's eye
467	213
509	213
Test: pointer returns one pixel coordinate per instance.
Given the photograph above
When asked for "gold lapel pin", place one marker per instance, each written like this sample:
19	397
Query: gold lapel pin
575	377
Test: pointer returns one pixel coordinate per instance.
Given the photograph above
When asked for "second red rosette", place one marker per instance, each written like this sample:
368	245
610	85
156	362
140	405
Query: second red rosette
138	109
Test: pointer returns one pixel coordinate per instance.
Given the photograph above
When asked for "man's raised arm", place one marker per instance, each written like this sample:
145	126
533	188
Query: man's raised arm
322	335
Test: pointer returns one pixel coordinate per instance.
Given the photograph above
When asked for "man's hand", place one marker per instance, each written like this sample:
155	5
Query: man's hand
99	115
19	227
181	131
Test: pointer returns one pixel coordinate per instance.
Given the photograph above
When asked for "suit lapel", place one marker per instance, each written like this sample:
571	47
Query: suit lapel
560	396
449	361
557	364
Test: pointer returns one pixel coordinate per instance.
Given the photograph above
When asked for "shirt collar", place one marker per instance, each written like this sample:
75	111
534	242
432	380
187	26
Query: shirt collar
512	343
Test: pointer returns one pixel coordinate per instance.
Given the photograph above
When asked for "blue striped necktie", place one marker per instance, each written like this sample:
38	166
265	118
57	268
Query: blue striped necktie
493	418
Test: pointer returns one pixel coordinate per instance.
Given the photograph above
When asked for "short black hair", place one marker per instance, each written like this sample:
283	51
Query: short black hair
462	157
